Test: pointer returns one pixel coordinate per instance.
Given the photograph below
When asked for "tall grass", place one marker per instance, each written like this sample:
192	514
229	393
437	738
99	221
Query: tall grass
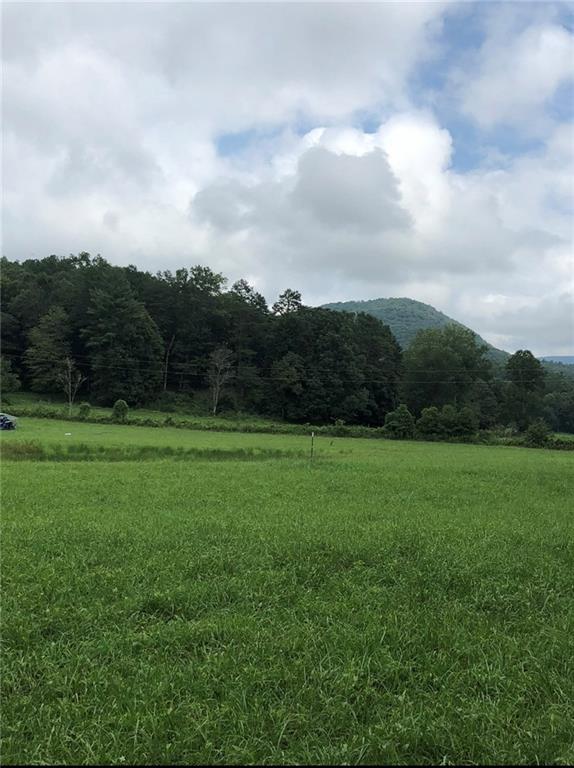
397	604
31	450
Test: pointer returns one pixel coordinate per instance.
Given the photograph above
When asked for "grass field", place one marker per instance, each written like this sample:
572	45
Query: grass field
387	603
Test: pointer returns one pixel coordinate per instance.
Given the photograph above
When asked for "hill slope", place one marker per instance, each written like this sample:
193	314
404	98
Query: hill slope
406	317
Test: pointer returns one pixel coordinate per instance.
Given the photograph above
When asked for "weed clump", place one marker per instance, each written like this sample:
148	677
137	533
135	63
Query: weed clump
120	411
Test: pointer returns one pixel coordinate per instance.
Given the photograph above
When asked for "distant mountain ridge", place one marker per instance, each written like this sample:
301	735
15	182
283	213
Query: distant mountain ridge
406	317
562	359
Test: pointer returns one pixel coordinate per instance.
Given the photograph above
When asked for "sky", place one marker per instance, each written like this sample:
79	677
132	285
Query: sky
348	151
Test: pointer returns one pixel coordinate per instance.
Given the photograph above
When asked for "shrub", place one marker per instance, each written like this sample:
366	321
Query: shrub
339	429
84	410
560	444
399	424
467	422
448	421
537	434
459	423
429	424
120	411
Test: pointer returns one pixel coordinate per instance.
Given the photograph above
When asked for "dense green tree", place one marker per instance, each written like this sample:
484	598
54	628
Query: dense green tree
48	350
288	301
194	326
400	424
442	367
429	423
525	371
134	334
247	323
524	394
124	345
558	409
286	386
468	422
486	397
380	362
9	380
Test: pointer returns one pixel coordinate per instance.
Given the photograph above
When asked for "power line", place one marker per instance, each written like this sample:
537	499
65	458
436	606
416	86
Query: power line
322	376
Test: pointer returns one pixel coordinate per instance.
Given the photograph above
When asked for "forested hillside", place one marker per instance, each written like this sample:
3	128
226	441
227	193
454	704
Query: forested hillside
83	328
406	317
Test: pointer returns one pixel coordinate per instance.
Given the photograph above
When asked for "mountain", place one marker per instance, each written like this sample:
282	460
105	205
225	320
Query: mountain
563	359
406	317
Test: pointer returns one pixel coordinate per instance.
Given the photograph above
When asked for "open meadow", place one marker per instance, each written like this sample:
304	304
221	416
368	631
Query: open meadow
173	596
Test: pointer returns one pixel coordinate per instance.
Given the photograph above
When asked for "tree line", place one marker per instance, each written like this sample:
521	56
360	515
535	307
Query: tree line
79	325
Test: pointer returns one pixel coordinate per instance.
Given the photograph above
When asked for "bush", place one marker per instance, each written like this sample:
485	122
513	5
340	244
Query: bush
448	421
559	444
537	434
120	411
467	422
399	424
339	429
84	410
429	424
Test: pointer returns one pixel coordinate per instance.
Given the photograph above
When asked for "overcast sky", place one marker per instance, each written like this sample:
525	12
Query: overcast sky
349	151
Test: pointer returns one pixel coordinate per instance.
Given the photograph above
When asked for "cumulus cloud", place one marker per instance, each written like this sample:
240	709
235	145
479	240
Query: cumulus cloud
365	206
517	70
115	114
546	320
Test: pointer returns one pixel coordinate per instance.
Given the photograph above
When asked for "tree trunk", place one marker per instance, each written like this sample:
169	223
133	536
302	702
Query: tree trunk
167	353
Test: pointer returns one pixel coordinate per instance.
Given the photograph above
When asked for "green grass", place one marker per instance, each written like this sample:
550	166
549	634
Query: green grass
390	603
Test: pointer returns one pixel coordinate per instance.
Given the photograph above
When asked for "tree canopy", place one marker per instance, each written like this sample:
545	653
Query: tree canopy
132	335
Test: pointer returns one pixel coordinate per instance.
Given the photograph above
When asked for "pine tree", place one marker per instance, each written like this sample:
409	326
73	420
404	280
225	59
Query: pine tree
124	345
48	350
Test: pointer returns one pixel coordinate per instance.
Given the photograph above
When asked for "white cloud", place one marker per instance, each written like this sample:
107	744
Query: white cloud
112	114
514	78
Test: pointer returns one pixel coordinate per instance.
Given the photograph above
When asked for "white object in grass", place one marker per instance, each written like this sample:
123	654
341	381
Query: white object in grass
67	434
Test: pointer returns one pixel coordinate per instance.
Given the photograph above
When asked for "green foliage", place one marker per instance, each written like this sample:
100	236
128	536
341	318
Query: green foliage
525	391
124	345
149	339
525	372
84	410
558	408
467	422
331	366
48	350
442	366
406	317
400	424
9	379
537	434
286	386
289	301
429	423
447	423
120	411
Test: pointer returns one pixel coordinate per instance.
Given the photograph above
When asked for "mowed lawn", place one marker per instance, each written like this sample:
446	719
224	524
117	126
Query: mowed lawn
389	603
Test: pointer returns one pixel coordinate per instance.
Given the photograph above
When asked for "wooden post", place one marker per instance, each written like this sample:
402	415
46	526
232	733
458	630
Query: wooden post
312	444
